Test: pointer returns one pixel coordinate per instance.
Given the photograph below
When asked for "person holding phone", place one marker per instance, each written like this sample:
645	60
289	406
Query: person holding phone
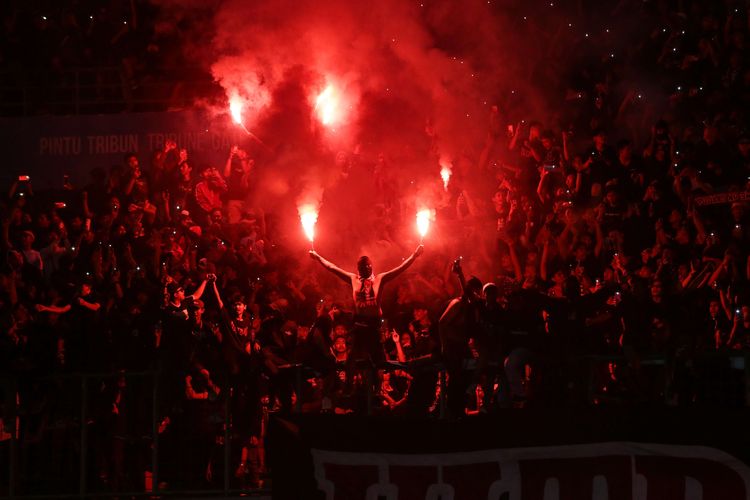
549	156
739	337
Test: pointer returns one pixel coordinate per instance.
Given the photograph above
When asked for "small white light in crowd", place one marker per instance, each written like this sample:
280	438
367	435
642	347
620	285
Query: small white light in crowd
44	17
393	40
570	25
91	17
586	35
679	87
700	88
524	18
606	30
664	30
674	49
512	91
683	32
552	4
124	22
640	96
612	56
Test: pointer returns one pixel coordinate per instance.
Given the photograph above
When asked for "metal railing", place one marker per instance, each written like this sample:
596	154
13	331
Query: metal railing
73	391
724	379
710	378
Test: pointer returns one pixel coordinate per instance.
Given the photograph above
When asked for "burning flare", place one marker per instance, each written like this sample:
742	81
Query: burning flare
445	174
327	106
423	221
235	109
308	216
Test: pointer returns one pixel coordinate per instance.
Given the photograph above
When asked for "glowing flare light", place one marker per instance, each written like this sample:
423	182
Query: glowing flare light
327	106
445	174
308	216
423	222
235	109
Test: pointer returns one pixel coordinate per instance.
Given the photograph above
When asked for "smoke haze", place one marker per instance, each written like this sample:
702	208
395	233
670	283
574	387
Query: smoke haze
414	82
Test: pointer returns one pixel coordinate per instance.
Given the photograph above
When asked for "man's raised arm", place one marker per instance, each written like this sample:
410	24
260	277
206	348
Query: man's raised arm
389	275
332	267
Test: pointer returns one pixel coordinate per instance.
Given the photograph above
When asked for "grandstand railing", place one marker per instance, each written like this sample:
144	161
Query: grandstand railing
718	378
19	480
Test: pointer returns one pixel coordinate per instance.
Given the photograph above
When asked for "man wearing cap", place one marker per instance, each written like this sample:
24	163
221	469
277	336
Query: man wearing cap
174	343
178	312
242	354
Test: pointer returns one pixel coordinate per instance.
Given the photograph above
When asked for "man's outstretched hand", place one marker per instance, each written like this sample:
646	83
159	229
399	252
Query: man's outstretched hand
314	255
419	251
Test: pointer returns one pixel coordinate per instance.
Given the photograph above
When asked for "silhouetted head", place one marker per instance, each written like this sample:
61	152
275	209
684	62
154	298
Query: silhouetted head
490	292
364	266
473	288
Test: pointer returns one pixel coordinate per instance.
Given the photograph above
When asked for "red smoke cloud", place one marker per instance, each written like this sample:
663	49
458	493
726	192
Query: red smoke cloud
413	81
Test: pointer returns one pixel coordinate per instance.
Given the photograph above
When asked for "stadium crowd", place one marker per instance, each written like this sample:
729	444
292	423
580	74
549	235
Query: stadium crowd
601	241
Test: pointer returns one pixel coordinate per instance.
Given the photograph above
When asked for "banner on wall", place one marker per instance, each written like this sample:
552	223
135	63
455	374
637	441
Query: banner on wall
564	454
48	147
613	471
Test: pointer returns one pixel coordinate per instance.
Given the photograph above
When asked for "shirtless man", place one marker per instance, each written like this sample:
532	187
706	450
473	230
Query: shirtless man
366	292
